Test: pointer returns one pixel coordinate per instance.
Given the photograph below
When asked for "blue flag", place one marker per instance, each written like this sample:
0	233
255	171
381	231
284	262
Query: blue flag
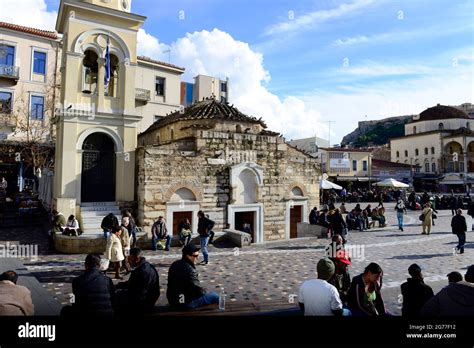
107	65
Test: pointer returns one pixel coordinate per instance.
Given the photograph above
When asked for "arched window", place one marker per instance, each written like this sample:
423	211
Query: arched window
398	154
417	152
427	167
414	130
441	126
90	68
238	128
172	134
112	89
157	138
406	153
432	150
433	167
426	150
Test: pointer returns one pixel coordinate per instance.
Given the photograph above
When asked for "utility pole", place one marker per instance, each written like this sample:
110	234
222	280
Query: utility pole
329	136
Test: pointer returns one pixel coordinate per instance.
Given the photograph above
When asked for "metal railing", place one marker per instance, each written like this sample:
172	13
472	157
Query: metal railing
10	71
142	94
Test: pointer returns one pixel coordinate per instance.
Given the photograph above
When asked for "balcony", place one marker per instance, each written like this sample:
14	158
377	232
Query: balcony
142	94
10	72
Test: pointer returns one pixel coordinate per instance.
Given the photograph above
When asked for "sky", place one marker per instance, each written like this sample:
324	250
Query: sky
308	67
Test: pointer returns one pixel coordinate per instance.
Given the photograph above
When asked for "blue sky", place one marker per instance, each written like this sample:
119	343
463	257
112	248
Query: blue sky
400	56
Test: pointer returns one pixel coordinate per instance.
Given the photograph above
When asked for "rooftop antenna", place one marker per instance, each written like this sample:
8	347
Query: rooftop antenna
169	55
329	133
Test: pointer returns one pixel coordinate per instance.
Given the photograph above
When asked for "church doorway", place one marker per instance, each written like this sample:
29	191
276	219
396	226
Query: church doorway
98	169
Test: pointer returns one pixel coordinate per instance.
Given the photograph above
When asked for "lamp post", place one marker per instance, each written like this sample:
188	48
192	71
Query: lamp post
370	171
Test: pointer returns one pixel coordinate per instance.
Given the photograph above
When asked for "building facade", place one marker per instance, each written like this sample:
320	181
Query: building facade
29	77
440	141
98	126
212	157
344	165
204	87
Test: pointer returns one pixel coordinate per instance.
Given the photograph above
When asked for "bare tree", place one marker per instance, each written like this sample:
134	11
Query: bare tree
33	138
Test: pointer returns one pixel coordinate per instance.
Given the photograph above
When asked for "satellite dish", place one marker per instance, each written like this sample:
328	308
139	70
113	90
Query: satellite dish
325	176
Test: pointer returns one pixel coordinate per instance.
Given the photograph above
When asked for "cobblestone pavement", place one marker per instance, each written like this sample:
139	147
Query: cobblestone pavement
275	270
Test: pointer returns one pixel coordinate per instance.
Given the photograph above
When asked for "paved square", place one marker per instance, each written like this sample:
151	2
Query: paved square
275	270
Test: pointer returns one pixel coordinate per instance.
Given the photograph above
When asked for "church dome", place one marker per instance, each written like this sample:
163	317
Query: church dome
440	112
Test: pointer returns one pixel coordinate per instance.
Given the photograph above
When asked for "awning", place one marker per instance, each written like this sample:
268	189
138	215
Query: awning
452	182
355	178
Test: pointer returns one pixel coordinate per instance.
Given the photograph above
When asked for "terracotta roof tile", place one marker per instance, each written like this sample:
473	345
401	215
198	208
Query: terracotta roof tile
39	32
150	60
206	109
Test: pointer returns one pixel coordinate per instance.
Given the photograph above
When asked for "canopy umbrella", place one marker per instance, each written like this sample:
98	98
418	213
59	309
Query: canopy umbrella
327	185
391	183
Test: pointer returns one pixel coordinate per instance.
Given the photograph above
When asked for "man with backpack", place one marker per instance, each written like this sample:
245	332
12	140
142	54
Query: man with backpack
205	226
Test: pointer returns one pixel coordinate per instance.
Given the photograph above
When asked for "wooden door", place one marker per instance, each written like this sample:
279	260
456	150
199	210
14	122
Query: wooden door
179	216
295	218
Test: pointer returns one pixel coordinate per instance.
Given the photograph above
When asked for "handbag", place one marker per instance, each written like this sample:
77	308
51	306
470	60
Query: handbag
422	217
435	216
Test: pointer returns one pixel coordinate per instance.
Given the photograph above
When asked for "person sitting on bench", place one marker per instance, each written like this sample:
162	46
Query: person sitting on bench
139	294
72	227
184	289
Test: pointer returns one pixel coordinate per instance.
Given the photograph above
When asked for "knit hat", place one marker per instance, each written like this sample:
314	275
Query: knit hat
469	276
325	269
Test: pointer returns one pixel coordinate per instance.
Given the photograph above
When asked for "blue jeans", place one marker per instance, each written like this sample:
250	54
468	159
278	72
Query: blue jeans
210	297
155	239
106	233
204	243
346	312
400	219
462	241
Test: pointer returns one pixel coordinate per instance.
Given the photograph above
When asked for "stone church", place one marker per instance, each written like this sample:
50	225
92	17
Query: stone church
214	158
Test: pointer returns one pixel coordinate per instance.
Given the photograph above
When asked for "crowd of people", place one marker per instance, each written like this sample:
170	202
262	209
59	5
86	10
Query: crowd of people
334	293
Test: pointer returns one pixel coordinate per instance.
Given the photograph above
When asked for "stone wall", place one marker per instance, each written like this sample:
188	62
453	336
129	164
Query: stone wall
203	164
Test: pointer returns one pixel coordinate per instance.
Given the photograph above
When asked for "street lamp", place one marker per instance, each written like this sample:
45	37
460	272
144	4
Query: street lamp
370	171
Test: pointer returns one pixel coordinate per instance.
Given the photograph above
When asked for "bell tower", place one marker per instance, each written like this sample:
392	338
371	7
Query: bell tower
120	5
96	123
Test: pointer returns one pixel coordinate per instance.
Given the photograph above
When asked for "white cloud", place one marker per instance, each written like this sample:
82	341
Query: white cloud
375	69
150	46
311	19
217	53
31	13
403	35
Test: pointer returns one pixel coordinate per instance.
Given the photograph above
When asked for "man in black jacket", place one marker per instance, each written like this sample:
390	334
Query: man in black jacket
205	226
140	293
108	222
459	228
93	292
456	299
313	216
415	292
184	289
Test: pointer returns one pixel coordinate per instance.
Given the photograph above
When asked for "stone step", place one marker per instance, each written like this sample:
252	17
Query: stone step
101	209
98	213
99	204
